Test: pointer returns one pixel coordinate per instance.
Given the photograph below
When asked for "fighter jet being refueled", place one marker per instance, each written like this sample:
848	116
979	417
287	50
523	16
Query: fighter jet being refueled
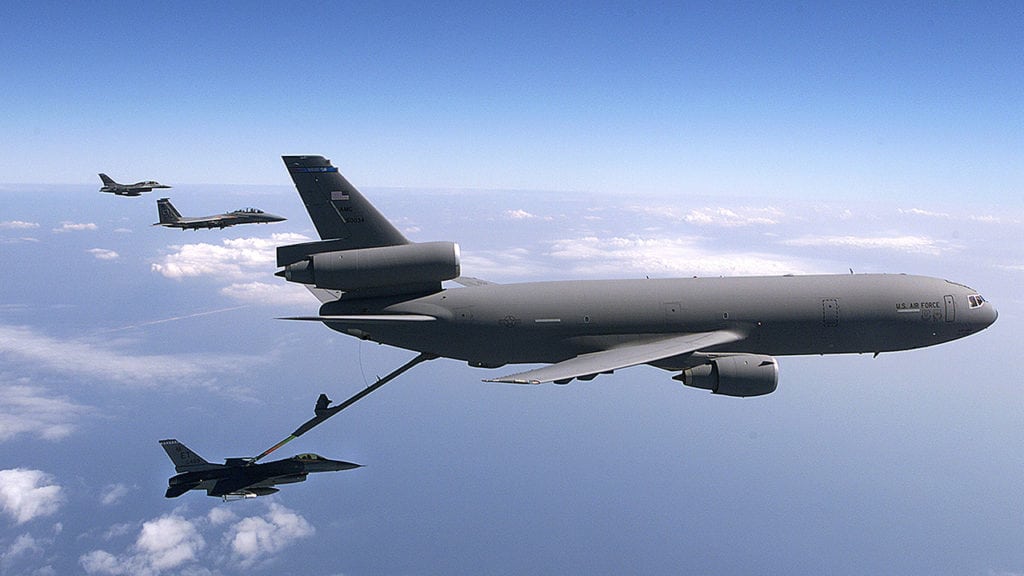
128	189
240	477
719	334
171	218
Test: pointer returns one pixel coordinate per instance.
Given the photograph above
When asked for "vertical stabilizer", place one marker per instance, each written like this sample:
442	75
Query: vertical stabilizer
184	459
168	213
107	180
337	209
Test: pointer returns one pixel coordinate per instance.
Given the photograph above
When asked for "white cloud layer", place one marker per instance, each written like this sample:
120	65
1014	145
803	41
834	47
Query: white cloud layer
83	358
104	254
175	543
18	225
593	256
257	537
27	409
718	216
167	543
244	263
512	264
76	227
113	493
235	259
283	294
28	494
907	243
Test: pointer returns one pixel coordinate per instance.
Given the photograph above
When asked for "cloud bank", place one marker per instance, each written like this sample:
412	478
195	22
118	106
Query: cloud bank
84	358
242	263
29	494
175	543
27	409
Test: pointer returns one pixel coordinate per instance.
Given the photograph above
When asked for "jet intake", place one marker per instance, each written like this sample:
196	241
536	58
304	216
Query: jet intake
740	375
365	268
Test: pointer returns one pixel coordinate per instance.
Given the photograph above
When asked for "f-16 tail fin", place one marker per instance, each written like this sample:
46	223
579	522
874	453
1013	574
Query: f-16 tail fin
168	213
337	209
107	180
185	460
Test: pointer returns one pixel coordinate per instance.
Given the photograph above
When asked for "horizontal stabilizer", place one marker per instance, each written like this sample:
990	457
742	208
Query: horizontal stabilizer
365	318
469	281
324	295
179	489
593	363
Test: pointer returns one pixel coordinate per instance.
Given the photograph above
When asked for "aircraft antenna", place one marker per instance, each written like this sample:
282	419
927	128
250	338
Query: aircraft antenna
361	370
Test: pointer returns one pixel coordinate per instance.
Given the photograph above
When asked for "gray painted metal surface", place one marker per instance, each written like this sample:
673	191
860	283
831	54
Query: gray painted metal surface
171	218
136	189
584	328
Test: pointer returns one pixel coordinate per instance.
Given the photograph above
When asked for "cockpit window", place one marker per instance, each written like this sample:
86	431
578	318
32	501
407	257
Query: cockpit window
309	456
976	301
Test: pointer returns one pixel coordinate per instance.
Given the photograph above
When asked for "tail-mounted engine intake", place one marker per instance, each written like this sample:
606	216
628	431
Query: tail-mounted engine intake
740	375
420	264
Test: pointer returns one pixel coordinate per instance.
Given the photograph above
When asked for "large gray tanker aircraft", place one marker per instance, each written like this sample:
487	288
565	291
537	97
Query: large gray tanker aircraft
719	334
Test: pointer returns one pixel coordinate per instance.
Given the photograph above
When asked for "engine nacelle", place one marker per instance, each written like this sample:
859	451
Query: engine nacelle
740	375
404	264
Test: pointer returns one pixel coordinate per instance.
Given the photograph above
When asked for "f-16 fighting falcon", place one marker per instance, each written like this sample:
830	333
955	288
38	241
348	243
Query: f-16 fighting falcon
719	334
171	218
128	189
240	477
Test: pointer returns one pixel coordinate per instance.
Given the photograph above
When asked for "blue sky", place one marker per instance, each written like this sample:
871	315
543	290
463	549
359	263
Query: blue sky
572	142
788	99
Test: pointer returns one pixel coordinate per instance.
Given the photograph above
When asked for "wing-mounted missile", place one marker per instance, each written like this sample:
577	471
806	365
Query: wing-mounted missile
400	269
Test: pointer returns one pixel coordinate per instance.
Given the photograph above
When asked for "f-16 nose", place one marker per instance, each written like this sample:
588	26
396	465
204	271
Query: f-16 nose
326	465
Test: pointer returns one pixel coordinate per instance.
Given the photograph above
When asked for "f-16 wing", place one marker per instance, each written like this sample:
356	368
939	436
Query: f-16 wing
593	363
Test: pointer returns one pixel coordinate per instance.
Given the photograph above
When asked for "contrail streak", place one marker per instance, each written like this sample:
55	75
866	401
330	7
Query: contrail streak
152	322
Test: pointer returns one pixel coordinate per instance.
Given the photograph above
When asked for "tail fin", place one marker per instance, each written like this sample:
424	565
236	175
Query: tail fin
107	180
337	209
168	213
184	459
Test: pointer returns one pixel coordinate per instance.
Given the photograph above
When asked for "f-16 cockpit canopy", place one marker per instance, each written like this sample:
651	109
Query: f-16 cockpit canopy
248	211
310	456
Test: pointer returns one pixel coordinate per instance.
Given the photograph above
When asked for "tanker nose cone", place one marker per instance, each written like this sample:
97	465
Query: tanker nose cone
983	316
990	314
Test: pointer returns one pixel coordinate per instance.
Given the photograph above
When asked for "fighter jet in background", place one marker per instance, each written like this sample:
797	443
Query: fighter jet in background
128	189
171	218
240	477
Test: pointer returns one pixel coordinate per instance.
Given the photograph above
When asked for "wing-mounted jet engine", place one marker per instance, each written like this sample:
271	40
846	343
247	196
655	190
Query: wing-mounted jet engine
739	375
